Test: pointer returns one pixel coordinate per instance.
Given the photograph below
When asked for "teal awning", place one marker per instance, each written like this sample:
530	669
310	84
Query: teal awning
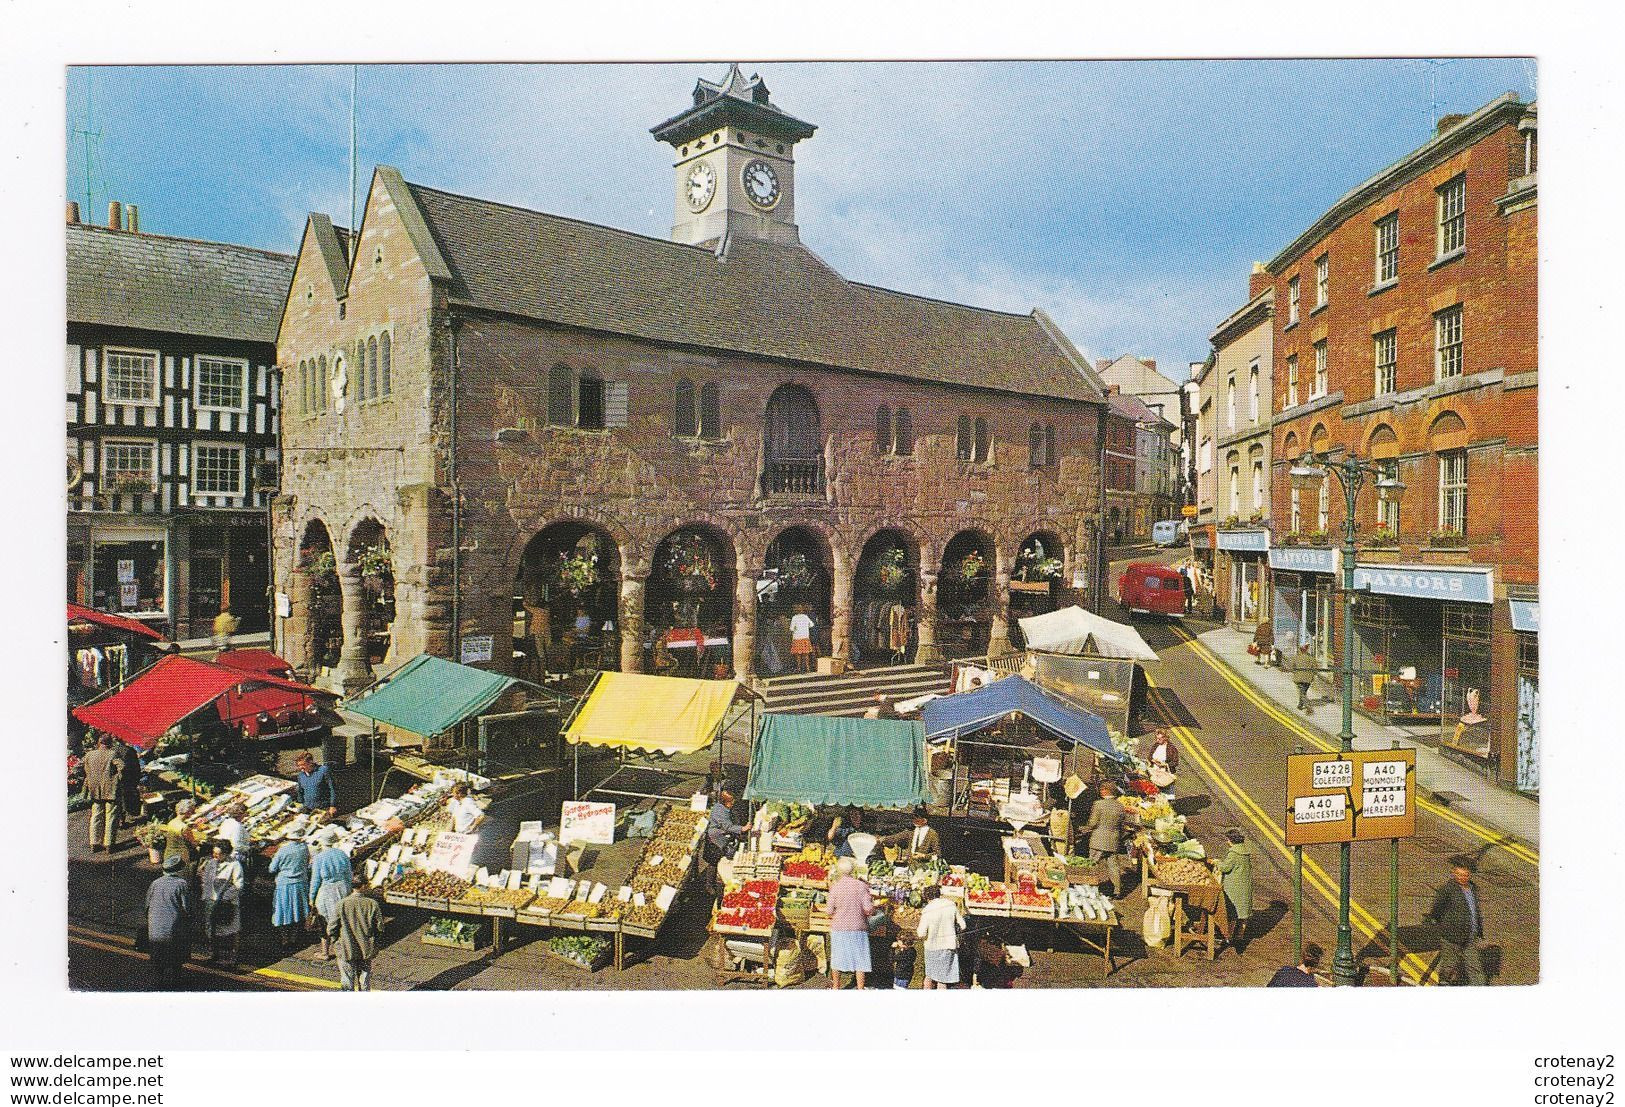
430	695
820	760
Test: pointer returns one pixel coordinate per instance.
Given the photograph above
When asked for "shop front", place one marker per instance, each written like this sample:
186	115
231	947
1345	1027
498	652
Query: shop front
1202	561
1241	562
1422	651
129	573
1302	579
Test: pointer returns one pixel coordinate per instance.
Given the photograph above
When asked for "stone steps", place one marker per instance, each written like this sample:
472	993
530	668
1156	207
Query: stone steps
852	693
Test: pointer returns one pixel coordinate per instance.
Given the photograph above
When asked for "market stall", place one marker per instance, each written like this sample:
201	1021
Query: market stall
1009	741
647	720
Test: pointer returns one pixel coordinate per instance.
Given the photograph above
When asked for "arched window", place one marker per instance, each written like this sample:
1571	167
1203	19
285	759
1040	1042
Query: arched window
383	363
321	383
883	432
710	411
683	420
903	429
1049	446
560	396
590	406
372	369
982	442
1035	446
966	446
304	388
795	445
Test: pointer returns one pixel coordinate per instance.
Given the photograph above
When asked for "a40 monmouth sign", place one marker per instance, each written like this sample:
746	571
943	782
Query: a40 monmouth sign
1427	582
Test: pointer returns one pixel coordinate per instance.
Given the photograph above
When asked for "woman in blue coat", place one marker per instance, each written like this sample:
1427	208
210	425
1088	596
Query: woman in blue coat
290	903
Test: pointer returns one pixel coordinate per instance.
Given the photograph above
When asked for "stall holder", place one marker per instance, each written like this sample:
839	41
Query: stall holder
954	718
647	719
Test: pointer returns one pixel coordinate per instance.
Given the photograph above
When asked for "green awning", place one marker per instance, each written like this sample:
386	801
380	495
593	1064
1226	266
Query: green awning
821	760
430	695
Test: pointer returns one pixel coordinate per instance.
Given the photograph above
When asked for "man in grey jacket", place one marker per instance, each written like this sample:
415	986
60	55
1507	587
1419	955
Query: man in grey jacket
1105	834
361	925
103	770
171	914
1303	668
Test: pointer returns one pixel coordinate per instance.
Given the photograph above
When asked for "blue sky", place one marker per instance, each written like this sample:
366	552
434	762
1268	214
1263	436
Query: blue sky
1127	199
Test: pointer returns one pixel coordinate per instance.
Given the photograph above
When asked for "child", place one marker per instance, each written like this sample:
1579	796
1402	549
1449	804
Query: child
902	961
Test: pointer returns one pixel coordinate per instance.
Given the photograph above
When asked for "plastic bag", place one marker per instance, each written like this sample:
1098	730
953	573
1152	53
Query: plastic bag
1157	924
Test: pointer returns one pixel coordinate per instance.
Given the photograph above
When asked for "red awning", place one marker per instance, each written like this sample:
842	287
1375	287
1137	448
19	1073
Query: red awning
76	613
254	661
143	710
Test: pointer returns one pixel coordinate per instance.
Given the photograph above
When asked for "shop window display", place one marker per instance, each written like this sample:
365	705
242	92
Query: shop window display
128	577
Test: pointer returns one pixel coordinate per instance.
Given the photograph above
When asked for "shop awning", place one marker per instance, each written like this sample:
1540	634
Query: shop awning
1525	615
1073	630
820	760
146	708
966	712
654	713
79	614
430	695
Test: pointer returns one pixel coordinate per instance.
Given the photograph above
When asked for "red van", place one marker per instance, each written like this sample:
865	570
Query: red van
1152	590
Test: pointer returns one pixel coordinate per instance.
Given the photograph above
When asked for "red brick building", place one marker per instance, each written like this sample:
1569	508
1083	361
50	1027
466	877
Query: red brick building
1405	333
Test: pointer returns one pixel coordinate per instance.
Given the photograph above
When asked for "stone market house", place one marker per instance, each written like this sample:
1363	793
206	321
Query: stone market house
503	424
172	423
1405	333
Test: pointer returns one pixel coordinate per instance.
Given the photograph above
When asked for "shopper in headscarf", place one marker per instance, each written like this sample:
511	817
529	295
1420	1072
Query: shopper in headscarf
220	887
290	902
170	914
1236	874
330	881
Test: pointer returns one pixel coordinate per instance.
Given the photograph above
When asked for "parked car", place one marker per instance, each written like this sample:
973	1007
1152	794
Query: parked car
1168	532
1151	590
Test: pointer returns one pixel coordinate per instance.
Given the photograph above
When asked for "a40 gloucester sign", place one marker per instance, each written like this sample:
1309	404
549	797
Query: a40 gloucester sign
1360	796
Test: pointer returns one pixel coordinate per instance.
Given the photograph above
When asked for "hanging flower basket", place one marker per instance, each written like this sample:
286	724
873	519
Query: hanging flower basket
318	563
689	560
795	571
578	572
375	563
892	572
973	566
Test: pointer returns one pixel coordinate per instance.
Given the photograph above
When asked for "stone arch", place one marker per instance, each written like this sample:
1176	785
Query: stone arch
798	577
887	575
367	551
317	637
693	577
966	601
1290	448
1036	575
1320	441
793	442
568	580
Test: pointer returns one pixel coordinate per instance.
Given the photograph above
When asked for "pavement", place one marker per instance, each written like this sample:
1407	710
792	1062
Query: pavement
1481	798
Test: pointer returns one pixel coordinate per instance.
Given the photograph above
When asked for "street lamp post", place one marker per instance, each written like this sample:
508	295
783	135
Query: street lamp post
1351	475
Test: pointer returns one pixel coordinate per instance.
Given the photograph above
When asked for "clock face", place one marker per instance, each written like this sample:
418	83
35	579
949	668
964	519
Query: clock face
699	186
761	183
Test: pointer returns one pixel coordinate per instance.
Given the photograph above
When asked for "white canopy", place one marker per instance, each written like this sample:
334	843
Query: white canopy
1072	630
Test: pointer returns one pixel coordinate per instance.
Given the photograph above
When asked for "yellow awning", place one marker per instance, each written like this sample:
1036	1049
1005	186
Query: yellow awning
656	713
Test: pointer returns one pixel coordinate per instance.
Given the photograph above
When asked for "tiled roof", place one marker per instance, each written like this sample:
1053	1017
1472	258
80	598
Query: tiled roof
760	298
180	285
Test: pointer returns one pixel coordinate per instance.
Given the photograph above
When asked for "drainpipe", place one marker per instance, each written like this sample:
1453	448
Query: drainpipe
1096	595
456	512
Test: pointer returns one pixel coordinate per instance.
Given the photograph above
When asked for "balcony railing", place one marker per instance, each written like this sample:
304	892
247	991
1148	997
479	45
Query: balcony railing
794	477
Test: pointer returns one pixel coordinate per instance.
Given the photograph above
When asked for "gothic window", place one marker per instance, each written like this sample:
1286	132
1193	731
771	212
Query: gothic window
903	430
683	418
560	396
883	432
710	411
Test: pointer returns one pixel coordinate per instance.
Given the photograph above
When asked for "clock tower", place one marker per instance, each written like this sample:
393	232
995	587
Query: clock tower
735	168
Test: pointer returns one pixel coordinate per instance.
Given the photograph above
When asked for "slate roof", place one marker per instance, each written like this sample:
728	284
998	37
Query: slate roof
760	298
179	285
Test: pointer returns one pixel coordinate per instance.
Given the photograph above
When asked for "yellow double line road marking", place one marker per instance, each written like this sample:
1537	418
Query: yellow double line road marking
1274	711
125	947
1414	966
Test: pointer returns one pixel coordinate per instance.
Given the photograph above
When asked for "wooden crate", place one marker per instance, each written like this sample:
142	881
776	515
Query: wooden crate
598	962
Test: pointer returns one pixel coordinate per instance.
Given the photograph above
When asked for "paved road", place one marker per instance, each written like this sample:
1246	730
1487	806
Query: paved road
1236	741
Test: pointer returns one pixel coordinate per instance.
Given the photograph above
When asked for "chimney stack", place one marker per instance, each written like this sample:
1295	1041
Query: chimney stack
1150	363
73	211
1258	281
132	219
115	215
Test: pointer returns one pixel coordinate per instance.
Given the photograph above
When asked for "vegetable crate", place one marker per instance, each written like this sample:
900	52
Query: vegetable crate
605	950
469	937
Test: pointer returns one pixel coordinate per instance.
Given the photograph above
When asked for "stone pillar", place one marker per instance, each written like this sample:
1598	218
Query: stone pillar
927	652
744	631
631	620
840	610
353	672
297	628
998	642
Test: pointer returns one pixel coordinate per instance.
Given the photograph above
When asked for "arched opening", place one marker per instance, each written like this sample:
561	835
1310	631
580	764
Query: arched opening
795	445
567	600
885	599
324	604
689	600
795	582
965	598
1036	582
369	553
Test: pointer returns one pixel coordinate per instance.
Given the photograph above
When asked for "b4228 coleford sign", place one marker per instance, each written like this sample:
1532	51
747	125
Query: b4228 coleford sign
1427	582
